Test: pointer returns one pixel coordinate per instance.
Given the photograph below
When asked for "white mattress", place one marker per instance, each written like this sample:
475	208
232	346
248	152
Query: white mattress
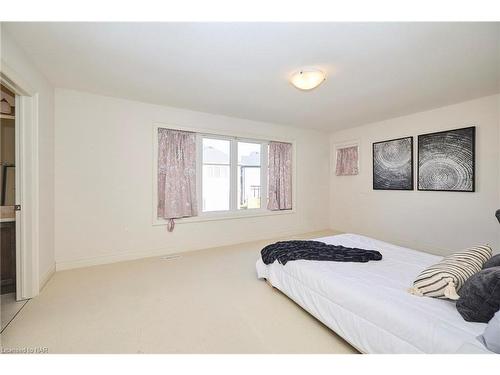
368	304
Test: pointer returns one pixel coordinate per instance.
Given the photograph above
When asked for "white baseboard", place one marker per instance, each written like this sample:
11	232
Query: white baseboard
47	276
133	255
111	258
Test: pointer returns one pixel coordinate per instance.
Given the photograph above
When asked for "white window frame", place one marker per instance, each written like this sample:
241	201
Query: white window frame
233	174
233	212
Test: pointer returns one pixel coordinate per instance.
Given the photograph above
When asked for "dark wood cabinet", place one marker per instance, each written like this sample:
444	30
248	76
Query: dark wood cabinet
8	257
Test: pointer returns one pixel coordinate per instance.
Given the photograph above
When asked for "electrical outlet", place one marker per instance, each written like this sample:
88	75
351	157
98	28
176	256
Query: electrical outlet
170	257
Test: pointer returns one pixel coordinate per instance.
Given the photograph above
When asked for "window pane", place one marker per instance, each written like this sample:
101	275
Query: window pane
215	187
249	187
249	154
215	151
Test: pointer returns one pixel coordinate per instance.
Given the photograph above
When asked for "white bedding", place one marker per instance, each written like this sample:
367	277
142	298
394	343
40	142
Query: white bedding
368	303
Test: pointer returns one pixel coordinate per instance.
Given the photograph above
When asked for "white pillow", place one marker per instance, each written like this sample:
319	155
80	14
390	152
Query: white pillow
444	279
491	336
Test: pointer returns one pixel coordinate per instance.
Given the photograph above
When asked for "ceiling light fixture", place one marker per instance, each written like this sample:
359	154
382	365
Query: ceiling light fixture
307	78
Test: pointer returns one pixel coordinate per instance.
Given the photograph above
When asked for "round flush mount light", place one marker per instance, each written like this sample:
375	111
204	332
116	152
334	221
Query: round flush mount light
307	78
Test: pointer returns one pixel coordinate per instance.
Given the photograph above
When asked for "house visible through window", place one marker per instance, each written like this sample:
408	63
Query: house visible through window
216	174
249	173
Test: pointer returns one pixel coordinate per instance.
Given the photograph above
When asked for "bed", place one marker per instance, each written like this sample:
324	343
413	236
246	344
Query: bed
368	305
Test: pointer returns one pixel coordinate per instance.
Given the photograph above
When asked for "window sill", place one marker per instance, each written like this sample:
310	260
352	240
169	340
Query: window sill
214	216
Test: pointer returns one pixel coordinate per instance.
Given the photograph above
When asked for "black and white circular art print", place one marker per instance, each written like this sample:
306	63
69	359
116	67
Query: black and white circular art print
446	160
393	164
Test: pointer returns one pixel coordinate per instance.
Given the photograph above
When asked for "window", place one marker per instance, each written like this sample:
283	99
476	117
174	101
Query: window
232	177
232	174
249	175
216	175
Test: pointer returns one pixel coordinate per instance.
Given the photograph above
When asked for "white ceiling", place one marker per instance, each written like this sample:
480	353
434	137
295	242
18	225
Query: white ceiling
375	70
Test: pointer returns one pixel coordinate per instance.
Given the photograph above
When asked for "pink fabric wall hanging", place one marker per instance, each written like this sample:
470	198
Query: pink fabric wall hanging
347	161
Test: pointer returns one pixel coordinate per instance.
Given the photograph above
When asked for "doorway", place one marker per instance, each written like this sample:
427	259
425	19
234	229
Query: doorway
10	304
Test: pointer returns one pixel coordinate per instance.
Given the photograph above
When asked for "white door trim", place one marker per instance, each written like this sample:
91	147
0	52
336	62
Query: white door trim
27	183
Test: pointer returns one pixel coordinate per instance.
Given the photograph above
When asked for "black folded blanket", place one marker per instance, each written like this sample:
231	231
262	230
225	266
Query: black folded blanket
285	251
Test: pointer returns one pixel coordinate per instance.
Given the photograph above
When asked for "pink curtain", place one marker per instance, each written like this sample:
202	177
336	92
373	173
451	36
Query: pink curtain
176	175
347	161
280	176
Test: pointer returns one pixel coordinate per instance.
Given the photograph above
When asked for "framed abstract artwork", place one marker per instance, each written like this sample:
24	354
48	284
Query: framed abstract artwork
446	160
393	164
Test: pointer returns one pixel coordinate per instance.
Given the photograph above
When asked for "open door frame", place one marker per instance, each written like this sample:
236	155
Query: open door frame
27	183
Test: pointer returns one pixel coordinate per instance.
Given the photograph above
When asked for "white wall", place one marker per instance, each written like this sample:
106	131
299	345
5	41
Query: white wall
439	222
18	62
104	182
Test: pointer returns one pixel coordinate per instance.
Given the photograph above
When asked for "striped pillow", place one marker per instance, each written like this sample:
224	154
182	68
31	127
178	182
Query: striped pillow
444	279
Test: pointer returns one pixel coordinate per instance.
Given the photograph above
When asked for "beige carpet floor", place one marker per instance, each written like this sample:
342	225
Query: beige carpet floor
207	301
9	307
